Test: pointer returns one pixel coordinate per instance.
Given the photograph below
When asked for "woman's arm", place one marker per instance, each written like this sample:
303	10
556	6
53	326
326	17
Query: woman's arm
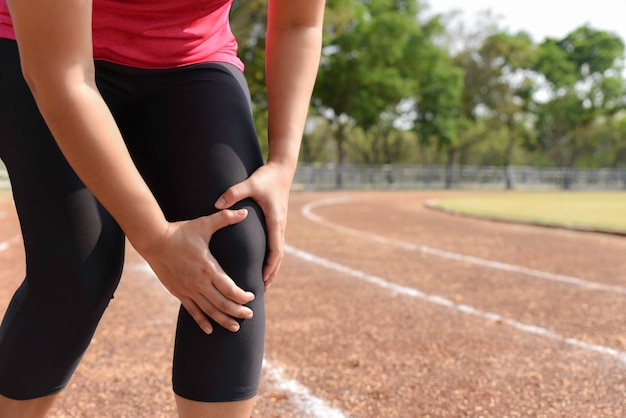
54	39
293	49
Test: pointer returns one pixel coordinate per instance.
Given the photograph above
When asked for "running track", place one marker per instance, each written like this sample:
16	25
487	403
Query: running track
384	308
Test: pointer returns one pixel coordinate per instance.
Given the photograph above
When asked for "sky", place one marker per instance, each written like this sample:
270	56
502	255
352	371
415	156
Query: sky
542	18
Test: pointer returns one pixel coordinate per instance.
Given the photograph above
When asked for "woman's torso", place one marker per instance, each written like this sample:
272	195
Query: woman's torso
156	33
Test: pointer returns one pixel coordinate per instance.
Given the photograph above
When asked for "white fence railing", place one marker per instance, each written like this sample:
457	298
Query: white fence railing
329	176
322	176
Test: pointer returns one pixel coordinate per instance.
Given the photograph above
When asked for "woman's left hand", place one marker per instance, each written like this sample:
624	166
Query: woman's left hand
269	187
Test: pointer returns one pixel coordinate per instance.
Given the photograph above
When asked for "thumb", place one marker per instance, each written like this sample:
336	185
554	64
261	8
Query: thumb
233	195
219	220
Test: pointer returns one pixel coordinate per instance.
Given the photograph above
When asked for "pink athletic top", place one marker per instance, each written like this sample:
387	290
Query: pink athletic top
156	33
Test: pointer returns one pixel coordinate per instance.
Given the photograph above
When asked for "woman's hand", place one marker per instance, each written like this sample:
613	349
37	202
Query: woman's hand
183	263
269	187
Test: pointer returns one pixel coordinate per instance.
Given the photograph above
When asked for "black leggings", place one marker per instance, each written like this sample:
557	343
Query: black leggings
191	135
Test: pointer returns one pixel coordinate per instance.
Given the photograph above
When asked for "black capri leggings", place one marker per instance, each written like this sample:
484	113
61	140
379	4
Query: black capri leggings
191	135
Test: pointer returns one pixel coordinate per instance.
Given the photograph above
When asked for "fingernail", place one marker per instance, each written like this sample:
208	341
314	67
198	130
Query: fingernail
220	203
242	212
251	296
207	330
234	327
249	314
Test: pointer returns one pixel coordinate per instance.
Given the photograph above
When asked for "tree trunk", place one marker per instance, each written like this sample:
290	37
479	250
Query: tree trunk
341	136
508	155
449	180
568	178
508	179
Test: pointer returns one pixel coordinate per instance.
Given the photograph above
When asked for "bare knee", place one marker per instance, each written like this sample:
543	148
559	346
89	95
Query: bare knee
32	408
194	409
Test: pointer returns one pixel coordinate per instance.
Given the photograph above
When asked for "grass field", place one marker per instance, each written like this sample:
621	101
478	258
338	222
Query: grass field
603	211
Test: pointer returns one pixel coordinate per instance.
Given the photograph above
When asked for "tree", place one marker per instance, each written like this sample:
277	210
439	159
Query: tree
465	104
367	67
583	83
506	96
439	105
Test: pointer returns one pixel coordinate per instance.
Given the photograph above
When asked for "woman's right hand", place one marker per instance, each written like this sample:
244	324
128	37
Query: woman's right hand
183	263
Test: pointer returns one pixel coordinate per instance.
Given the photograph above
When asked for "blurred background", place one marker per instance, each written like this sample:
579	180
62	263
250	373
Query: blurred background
448	93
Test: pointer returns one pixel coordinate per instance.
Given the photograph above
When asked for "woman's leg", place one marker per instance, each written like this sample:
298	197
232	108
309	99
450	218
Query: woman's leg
74	254
192	138
32	408
195	409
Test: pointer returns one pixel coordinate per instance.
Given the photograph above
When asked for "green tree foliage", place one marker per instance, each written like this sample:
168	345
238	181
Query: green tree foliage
438	98
584	84
506	93
439	119
368	64
364	67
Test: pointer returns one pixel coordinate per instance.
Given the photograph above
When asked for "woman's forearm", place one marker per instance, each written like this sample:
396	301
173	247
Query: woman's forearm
293	48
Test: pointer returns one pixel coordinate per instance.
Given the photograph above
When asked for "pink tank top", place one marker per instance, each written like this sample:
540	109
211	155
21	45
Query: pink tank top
156	33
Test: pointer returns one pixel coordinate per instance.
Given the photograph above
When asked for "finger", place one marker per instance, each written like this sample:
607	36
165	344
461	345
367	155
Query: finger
233	195
227	290
224	311
271	268
275	242
201	309
219	220
198	316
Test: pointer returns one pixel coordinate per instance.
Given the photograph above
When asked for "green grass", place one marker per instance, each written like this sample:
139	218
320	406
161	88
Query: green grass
605	211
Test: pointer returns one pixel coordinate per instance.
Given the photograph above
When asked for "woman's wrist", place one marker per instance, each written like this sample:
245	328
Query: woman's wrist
144	232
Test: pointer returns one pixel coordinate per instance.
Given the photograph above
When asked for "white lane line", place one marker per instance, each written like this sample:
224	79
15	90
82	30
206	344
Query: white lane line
307	211
469	310
300	396
522	270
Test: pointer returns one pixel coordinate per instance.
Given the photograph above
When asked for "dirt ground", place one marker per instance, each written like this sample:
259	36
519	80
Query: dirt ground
385	308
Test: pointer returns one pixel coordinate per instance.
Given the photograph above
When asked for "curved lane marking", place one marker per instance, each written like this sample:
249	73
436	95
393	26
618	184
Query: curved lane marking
469	310
307	211
300	397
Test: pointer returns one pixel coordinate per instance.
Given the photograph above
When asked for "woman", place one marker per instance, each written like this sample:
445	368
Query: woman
139	125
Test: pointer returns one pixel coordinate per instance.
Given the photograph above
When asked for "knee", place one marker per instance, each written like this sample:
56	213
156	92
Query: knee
241	248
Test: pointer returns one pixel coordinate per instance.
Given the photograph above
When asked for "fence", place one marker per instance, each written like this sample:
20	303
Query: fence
329	176
316	176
